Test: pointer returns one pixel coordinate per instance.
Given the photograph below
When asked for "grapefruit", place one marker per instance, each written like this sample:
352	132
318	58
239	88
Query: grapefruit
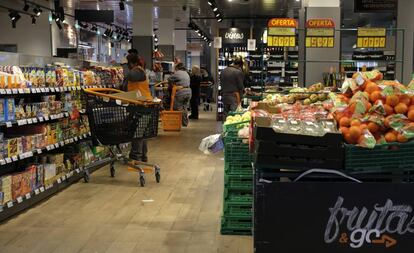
405	99
371	87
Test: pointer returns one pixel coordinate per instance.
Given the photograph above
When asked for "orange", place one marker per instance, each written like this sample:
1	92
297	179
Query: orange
401	108
388	109
355	122
373	127
361	139
392	100
348	139
375	96
412	100
371	87
344	130
411	107
390	137
405	99
354	132
401	138
363	126
344	122
410	115
368	106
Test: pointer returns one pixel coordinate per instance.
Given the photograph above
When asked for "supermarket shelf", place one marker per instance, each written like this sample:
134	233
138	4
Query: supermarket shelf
35	120
24	202
41	150
49	89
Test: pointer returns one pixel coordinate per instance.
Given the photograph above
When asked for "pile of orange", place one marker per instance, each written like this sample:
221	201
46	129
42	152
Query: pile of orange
353	125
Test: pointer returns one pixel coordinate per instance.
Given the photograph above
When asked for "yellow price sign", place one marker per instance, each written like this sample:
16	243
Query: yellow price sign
331	42
292	41
371	32
382	42
371	42
286	41
320	42
314	42
308	42
269	41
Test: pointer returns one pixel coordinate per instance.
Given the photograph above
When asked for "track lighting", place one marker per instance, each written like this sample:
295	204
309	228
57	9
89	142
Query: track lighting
215	9
14	15
219	20
122	5
59	25
217	15
210	3
37	11
26	6
33	20
55	17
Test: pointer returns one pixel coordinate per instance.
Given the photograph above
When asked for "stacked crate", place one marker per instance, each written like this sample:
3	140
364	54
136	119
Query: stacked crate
238	184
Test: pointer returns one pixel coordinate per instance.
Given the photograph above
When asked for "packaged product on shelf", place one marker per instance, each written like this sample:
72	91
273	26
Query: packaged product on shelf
50	77
2	110
12	149
6	188
10	109
49	172
21	183
40	173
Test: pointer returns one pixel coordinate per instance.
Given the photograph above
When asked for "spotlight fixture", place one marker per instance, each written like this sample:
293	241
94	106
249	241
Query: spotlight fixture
219	20
122	5
37	11
217	15
210	3
61	13
55	17
59	25
26	6
215	9
107	32
33	20
14	15
94	28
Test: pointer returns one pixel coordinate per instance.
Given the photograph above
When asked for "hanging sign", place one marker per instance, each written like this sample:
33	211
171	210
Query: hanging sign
320	33
251	45
371	37
375	5
281	32
217	42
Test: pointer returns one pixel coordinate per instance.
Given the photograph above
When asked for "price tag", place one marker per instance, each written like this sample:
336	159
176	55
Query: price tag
118	102
10	204
76	138
33	90
78	88
90	134
66	114
2	162
19	200
39	151
60	115
8	160
47	148
27	91
46	117
52	89
71	140
47	89
41	119
15	91
64	177
52	116
80	137
56	145
62	143
77	170
28	196
8	124
8	91
20	91
2	91
42	89
68	175
29	121
59	181
14	158
22	156
38	90
42	189
36	191
67	141
21	122
29	154
34	120
65	88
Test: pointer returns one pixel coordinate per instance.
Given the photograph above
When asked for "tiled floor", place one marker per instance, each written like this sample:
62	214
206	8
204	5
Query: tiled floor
109	214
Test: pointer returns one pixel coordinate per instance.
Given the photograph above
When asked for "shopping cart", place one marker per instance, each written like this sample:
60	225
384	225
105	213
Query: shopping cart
115	119
206	94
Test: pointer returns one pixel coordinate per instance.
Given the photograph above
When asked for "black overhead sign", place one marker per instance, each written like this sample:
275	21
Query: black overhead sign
375	5
334	217
234	35
103	16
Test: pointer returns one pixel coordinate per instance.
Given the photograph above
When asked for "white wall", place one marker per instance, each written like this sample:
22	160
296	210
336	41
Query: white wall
30	39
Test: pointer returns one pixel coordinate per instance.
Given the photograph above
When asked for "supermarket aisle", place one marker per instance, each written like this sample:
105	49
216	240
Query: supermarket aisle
108	215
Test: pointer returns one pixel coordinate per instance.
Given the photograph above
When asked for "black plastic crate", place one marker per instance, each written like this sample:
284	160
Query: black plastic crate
282	150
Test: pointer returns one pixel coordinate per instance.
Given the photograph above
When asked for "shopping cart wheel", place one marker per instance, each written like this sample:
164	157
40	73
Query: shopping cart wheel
86	176
157	174
142	180
112	169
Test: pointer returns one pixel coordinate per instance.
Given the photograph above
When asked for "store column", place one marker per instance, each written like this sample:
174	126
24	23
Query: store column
142	29
180	44
166	25
405	20
313	70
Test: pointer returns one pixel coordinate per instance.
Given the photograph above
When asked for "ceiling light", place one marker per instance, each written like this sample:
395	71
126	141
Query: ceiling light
37	11
219	20
26	6
210	3
59	25
14	15
33	20
215	9
217	15
55	17
122	5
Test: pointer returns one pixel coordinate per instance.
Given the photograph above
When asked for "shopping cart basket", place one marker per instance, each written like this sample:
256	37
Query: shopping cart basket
172	120
206	94
114	120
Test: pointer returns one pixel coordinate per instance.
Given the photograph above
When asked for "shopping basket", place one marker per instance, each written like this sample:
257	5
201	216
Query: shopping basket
114	119
172	120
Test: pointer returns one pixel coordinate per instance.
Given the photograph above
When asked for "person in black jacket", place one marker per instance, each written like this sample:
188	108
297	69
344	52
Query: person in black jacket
195	91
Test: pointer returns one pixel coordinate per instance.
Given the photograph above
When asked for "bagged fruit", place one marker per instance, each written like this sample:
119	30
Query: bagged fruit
366	140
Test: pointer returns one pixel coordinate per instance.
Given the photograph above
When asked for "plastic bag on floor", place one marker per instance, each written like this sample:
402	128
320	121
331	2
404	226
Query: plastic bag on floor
211	144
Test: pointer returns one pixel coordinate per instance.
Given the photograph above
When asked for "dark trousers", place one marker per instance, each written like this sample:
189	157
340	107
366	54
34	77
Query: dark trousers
230	104
194	102
139	149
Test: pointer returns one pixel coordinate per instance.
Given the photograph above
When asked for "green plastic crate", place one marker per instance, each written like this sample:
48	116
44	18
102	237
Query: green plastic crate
236	226
383	158
236	170
239	210
237	152
238	182
238	194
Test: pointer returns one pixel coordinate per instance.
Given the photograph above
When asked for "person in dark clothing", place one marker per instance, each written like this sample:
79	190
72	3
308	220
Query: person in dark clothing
195	81
232	79
138	81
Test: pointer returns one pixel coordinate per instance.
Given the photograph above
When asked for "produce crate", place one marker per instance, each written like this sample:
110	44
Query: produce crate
238	195
238	211
238	168
294	151
383	158
238	182
237	152
236	226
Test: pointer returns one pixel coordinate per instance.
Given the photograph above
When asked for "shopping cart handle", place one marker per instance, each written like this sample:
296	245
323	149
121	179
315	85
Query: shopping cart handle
108	93
160	83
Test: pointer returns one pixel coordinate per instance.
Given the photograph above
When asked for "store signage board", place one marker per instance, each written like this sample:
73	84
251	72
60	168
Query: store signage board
234	35
333	217
251	45
375	5
371	37
281	32
320	33
218	42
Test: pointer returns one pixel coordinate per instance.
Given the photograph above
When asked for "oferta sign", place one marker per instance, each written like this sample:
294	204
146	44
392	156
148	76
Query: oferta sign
320	33
281	32
334	217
